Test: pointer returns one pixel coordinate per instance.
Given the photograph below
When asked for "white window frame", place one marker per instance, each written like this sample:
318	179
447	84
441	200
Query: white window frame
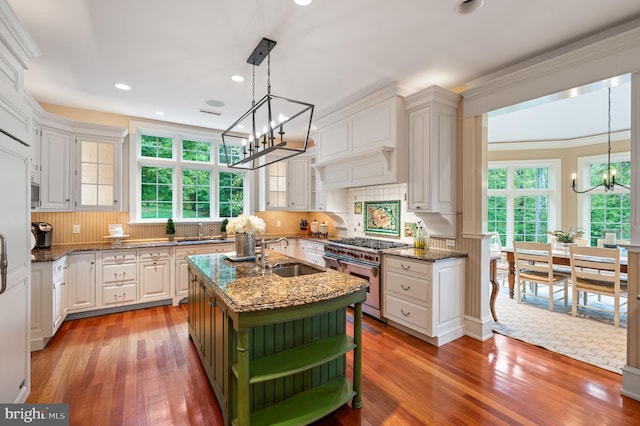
554	166
583	182
178	134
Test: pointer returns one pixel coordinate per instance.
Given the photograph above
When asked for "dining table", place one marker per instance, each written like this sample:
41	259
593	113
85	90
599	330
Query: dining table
560	258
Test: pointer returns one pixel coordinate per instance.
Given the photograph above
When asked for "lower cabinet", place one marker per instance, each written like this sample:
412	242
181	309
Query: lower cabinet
154	274
81	282
181	268
425	298
48	300
119	278
314	252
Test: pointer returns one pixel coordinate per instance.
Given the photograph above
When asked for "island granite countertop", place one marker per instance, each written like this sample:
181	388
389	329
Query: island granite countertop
246	288
428	255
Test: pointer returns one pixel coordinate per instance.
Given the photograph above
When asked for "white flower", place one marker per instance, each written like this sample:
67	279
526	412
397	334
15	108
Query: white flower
247	224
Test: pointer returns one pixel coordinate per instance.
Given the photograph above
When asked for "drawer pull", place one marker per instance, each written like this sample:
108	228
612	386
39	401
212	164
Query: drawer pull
117	259
407	288
406	314
115	274
406	268
124	295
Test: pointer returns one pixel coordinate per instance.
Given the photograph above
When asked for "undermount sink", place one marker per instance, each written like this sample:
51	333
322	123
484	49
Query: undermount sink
294	270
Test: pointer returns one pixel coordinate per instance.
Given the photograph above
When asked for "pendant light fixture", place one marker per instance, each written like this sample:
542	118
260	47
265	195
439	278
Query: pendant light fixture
279	127
609	178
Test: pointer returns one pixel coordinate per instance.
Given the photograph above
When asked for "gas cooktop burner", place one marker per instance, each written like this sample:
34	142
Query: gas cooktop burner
369	243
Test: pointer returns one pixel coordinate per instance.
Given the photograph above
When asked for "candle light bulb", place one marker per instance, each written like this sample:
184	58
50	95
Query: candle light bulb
244	142
264	129
273	124
250	138
282	118
573	176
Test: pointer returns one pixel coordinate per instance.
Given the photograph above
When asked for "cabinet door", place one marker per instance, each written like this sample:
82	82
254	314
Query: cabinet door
40	304
334	141
59	293
55	191
154	280
419	190
276	186
35	153
81	282
299	188
97	174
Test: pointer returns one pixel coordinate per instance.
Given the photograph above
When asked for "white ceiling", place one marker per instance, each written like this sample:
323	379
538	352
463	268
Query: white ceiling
176	55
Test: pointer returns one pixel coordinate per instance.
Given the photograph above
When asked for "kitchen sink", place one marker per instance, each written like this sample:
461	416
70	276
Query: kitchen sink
294	270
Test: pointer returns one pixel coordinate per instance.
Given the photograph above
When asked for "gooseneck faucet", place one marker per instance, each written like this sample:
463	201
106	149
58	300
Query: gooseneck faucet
262	259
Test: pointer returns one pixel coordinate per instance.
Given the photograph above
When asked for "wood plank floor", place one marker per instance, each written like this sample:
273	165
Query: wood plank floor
140	368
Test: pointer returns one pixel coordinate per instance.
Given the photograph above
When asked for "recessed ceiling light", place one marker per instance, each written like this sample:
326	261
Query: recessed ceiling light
215	103
465	7
237	78
159	113
302	2
122	86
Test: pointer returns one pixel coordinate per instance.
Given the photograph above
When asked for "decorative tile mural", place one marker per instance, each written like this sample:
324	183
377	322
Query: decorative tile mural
382	217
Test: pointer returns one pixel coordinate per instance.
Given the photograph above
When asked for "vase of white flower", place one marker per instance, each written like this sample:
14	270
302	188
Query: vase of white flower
245	227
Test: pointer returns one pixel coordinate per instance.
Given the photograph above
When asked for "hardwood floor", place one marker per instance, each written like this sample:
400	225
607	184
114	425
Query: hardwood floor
140	368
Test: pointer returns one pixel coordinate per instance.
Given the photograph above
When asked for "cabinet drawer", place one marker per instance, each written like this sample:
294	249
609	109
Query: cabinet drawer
408	266
407	285
119	274
314	246
118	295
153	255
409	314
203	249
119	257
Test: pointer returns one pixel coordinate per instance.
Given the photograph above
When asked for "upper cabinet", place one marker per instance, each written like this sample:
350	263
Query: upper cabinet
285	184
432	158
364	143
77	164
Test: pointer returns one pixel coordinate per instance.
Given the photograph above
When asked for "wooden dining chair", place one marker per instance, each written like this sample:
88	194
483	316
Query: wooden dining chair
595	270
534	265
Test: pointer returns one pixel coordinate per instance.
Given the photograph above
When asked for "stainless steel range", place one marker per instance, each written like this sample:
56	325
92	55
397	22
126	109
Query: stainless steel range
361	257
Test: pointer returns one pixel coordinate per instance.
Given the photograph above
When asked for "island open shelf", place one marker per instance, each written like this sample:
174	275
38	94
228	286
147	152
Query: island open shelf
275	349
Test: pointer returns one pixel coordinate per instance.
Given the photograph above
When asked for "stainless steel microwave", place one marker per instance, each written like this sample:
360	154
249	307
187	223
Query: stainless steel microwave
35	195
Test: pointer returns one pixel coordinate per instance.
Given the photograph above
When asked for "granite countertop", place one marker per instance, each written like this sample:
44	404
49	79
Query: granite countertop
56	252
429	255
247	289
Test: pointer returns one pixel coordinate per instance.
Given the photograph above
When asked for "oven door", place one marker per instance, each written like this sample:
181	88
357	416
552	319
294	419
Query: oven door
370	273
332	263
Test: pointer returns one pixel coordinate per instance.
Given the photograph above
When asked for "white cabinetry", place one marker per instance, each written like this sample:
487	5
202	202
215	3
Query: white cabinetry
154	274
432	158
56	157
181	268
119	278
314	252
286	185
48	300
81	281
364	143
424	298
77	164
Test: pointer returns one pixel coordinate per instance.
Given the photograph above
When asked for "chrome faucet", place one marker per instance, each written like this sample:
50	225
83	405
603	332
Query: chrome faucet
262	259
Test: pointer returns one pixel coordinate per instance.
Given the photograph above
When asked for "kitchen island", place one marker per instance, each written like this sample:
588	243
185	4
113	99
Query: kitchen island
275	347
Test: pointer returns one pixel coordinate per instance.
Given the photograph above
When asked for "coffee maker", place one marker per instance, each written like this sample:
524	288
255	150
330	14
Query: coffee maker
43	233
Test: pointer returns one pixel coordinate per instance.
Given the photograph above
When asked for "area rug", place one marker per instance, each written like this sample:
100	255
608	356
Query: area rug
590	337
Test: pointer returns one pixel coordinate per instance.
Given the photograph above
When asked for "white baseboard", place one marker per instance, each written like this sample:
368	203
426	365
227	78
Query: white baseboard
478	329
631	382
